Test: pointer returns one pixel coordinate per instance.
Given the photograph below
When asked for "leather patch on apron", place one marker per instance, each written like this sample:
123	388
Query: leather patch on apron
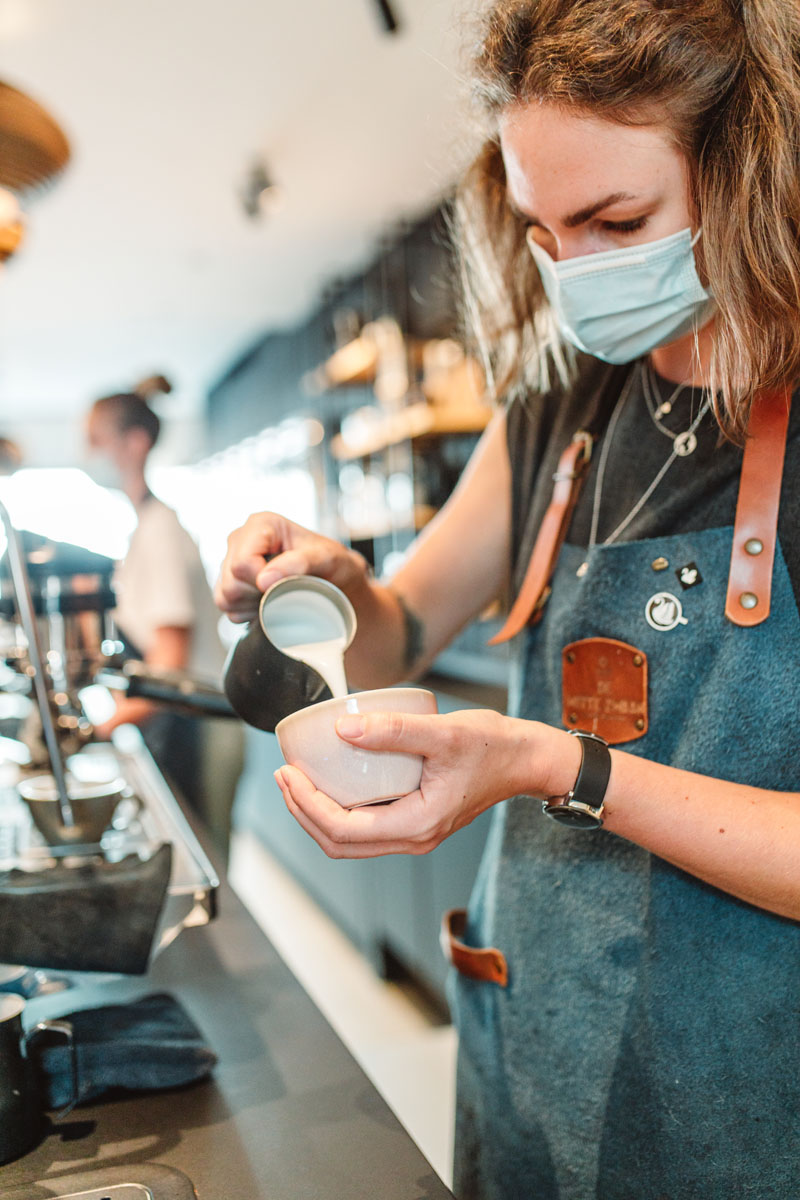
604	689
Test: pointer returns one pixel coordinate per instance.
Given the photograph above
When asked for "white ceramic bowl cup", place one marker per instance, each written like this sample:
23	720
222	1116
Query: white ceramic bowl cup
348	774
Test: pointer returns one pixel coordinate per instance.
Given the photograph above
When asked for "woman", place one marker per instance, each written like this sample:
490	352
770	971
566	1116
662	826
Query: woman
637	201
165	609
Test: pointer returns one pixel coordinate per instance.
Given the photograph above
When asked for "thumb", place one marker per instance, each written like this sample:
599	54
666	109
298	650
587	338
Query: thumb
410	732
289	562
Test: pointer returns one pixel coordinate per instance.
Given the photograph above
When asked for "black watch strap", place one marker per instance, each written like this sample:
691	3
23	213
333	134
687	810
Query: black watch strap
582	807
590	786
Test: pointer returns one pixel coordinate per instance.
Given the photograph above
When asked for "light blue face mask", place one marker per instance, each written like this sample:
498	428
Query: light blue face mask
102	471
620	304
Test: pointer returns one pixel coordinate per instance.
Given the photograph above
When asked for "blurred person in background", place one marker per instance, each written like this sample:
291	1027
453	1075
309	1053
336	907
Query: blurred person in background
165	612
10	456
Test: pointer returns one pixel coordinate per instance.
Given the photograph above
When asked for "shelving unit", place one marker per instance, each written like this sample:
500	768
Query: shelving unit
421	397
424	415
417	420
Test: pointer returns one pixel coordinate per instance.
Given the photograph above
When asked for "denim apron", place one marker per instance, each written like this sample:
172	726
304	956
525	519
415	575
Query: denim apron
647	1046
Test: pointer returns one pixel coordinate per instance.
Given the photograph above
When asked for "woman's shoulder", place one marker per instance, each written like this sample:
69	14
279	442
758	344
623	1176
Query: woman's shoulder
155	514
158	526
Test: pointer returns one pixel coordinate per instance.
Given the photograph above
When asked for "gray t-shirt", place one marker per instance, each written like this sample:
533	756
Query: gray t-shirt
698	492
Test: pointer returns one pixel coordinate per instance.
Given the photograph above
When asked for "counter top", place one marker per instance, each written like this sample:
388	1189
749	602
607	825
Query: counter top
288	1113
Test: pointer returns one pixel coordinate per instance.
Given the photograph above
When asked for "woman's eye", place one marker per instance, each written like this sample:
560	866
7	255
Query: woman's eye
625	226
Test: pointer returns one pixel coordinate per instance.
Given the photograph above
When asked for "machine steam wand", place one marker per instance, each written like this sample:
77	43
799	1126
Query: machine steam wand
22	594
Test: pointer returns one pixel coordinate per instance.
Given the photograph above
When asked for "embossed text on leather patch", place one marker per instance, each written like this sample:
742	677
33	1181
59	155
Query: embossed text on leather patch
604	689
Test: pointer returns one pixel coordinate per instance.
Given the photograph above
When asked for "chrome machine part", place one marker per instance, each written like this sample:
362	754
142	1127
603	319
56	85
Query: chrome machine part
22	592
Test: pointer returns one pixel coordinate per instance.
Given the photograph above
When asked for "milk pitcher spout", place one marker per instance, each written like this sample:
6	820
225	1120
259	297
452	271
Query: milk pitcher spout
292	655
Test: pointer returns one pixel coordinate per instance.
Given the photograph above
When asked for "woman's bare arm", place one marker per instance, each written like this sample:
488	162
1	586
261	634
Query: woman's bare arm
743	840
455	567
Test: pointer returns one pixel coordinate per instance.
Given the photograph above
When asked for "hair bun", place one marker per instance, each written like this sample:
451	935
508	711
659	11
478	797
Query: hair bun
154	385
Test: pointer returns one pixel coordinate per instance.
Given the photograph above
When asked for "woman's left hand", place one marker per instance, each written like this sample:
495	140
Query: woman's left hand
473	759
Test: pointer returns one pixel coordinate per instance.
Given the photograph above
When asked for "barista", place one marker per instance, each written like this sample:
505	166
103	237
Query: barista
165	611
630	1028
10	456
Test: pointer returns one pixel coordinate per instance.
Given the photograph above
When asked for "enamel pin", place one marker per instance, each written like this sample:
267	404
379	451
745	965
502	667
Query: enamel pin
689	576
664	612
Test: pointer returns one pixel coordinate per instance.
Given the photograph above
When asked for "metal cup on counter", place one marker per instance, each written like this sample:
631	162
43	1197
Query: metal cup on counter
22	1113
93	807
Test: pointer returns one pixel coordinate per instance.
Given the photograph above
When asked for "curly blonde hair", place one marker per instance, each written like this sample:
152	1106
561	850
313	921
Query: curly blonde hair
724	76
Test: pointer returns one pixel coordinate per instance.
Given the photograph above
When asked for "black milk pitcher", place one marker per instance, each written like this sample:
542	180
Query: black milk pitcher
22	1118
263	683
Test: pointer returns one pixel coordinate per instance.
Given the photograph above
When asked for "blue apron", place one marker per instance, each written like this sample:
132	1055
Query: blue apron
648	1044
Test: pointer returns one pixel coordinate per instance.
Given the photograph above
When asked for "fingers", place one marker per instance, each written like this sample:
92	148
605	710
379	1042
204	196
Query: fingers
238	589
408	732
238	599
268	548
365	832
313	554
290	562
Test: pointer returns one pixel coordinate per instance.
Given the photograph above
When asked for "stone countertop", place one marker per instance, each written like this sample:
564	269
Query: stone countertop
288	1113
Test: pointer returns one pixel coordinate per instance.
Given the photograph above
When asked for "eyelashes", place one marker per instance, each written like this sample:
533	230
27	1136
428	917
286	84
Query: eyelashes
631	226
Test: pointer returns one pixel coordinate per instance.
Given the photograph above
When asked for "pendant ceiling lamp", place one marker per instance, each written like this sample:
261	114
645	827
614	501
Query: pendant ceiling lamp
33	148
33	153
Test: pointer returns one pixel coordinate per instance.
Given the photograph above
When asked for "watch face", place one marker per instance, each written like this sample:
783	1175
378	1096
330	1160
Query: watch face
573	817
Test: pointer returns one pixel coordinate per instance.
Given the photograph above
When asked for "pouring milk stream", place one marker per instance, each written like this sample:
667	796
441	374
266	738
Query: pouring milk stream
311	621
307	626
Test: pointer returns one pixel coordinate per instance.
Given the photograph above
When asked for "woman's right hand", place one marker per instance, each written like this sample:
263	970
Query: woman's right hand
268	547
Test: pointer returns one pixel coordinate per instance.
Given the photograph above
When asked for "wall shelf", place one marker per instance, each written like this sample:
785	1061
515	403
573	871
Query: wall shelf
416	421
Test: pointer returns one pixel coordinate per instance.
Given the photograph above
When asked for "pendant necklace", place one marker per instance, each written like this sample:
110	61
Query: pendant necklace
685	443
688	443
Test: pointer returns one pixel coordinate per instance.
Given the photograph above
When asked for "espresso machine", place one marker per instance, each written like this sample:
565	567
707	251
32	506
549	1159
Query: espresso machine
99	868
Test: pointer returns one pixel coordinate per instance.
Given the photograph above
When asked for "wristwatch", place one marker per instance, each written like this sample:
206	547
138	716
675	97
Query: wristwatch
582	808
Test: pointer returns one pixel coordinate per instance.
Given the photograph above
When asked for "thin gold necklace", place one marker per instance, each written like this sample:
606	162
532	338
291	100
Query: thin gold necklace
601	471
686	442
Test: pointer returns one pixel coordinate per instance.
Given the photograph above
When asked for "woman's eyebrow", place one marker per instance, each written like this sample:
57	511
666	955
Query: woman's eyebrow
582	215
591	210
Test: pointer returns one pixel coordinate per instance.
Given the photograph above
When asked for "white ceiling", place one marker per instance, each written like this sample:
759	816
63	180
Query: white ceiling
142	258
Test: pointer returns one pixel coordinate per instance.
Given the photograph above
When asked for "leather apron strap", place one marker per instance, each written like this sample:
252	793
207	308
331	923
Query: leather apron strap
755	533
756	526
533	594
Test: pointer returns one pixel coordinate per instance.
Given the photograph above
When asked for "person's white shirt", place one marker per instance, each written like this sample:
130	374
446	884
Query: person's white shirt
162	582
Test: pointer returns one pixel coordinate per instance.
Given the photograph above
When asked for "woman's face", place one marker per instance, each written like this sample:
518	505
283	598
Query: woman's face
125	449
104	437
585	184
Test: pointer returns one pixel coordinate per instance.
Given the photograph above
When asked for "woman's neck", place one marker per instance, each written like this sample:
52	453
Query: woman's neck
135	487
686	360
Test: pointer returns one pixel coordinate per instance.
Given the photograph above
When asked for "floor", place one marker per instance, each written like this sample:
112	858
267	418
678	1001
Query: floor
408	1056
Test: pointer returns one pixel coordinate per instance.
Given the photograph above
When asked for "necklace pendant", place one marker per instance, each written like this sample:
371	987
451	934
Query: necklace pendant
685	444
582	569
664	409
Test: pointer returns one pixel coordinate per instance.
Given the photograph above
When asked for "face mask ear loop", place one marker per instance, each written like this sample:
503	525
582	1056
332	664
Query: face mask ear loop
696	238
535	249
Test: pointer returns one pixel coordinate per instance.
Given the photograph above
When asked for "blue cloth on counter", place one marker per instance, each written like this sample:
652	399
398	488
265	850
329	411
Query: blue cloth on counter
147	1044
